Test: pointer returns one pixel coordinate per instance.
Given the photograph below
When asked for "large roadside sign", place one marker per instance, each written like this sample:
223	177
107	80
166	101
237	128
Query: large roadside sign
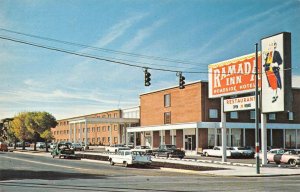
232	77
276	73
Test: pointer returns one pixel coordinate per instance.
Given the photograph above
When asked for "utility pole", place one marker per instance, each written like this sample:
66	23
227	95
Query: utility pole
256	112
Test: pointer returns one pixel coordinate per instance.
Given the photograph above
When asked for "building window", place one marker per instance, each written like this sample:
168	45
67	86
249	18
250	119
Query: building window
93	129
98	129
103	128
98	139
108	139
88	130
213	113
234	115
93	140
108	128
115	128
272	116
103	139
167	117
167	100
290	116
252	115
115	139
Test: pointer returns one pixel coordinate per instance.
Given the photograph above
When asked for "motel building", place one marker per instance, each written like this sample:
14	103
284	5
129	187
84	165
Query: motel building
104	128
189	119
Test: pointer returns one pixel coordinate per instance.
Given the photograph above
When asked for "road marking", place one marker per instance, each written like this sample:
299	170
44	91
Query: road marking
49	164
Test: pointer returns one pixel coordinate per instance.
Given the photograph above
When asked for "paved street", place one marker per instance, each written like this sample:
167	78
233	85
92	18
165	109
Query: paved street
22	172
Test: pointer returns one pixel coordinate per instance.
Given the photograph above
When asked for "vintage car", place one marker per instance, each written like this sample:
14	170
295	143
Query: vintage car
217	152
77	146
283	156
128	157
116	148
3	146
168	151
143	148
63	150
244	152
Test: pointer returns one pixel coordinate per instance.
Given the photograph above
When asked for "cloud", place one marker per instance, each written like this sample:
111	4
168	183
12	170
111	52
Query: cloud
142	34
118	30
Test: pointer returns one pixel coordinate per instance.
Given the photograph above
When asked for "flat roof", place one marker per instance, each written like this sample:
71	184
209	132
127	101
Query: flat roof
175	86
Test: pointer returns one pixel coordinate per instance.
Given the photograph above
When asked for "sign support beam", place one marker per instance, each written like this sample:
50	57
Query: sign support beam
223	127
256	112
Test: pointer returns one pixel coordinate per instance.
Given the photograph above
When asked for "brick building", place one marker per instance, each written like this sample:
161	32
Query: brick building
191	120
104	128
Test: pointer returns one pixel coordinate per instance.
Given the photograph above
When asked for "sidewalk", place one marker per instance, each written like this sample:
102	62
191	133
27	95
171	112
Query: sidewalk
233	170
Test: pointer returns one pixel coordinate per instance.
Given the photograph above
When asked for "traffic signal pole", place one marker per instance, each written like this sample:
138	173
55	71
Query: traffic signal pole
256	112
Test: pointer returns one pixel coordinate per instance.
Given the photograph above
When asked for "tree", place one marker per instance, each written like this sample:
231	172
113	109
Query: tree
47	135
40	124
19	128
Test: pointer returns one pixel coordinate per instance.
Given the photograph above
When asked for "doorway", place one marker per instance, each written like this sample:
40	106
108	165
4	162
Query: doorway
190	142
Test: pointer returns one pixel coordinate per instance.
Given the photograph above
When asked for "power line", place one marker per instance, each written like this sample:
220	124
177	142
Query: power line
108	60
88	56
104	49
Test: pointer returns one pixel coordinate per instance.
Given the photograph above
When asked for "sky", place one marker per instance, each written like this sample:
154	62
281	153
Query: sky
174	35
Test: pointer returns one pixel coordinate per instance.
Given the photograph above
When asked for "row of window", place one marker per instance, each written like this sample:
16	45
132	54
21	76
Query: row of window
213	114
115	115
94	129
94	140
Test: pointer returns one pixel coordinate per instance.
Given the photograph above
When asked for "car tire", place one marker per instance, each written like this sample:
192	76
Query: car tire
125	164
156	155
59	157
112	163
53	156
293	162
206	154
168	155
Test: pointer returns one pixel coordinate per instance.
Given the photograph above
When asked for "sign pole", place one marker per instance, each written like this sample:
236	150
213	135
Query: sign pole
223	127
256	112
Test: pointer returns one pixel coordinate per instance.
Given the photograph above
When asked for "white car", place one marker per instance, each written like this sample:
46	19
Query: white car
144	148
244	152
128	157
40	145
116	148
217	152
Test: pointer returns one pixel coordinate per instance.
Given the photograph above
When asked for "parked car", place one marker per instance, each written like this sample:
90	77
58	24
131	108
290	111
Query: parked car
168	151
217	152
27	144
144	148
283	156
116	148
244	152
130	145
64	150
3	146
40	145
128	157
77	146
52	145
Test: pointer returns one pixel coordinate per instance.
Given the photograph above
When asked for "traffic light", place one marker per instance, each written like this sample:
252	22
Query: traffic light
147	78
181	81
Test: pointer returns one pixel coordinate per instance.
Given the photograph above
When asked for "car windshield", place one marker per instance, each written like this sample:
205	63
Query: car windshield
145	147
171	146
241	148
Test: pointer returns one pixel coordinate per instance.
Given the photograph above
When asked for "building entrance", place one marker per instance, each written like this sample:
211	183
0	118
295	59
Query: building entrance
190	142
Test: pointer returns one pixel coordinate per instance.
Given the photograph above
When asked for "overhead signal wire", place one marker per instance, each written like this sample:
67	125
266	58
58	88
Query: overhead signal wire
88	55
106	50
108	59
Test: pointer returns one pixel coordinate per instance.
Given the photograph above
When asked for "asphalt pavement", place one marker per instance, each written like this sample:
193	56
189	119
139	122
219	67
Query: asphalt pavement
32	172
